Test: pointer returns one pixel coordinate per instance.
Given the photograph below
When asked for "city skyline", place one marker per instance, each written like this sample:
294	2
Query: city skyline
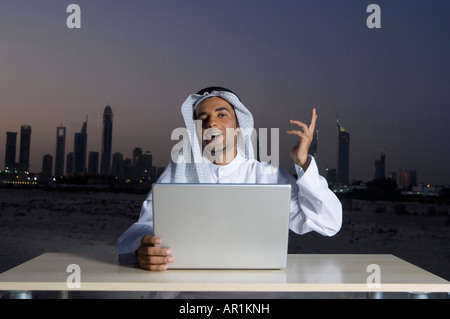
390	85
84	161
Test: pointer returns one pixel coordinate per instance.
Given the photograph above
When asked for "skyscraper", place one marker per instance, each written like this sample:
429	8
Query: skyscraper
407	178
10	154
47	163
117	167
380	166
343	154
69	162
25	143
93	163
105	162
138	164
80	150
147	161
60	150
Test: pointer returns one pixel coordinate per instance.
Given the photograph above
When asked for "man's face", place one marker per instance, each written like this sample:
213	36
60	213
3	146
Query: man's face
217	115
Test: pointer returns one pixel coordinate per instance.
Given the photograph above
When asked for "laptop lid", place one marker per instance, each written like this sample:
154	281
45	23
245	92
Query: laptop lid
223	226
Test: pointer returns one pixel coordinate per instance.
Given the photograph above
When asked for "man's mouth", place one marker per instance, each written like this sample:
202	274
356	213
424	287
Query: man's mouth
216	135
212	135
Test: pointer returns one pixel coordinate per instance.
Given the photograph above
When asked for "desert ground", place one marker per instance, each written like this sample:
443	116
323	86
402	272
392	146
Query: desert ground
34	221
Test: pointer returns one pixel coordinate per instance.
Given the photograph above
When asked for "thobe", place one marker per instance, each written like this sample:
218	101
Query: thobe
313	207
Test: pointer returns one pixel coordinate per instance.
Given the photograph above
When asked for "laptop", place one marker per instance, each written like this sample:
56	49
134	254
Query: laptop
223	226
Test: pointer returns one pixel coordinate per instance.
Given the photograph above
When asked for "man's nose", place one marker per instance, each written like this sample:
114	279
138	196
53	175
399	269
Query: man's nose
211	122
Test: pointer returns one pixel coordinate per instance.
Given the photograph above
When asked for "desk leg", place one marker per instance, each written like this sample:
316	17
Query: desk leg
375	295
64	294
20	295
417	295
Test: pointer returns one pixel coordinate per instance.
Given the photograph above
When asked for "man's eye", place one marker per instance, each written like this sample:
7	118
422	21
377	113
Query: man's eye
222	115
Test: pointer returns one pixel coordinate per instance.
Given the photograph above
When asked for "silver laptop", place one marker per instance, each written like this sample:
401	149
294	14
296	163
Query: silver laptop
223	226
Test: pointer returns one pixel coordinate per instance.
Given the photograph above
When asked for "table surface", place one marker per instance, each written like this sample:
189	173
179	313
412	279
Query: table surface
304	272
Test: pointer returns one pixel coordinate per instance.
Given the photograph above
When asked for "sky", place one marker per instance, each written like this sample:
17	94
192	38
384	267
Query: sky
390	86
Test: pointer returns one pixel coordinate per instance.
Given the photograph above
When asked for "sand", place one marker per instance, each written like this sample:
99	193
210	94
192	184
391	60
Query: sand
36	221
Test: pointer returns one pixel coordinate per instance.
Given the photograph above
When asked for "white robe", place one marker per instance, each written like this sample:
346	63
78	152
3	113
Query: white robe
314	207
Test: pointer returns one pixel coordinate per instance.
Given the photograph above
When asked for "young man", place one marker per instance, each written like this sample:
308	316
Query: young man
221	153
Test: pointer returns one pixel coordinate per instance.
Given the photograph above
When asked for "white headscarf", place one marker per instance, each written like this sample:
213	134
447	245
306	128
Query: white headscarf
188	164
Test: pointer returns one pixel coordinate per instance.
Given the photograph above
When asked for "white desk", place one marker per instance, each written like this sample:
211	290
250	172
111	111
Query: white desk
304	273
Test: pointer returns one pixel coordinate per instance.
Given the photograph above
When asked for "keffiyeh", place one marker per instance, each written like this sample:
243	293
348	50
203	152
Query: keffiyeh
188	164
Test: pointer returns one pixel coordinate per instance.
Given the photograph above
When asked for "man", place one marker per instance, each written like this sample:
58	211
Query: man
222	154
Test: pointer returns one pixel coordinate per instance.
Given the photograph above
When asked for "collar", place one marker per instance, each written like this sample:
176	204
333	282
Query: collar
225	169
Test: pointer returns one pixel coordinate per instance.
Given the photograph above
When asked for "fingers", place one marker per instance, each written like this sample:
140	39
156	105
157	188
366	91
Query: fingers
299	133
150	240
305	129
312	126
302	125
154	258
151	257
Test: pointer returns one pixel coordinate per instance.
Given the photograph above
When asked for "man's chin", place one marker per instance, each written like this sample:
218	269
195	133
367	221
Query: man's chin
217	153
214	147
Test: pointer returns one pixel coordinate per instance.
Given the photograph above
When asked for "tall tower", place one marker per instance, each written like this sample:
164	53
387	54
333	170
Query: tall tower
25	142
47	163
60	150
79	150
93	163
117	166
343	154
138	165
69	163
380	166
105	162
10	154
147	161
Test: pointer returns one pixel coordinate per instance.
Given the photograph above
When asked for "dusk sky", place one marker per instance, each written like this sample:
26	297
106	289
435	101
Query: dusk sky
390	86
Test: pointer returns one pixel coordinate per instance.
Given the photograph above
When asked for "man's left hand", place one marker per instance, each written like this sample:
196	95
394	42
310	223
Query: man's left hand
299	152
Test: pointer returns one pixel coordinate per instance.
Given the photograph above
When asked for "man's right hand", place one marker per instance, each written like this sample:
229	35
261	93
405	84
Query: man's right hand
151	257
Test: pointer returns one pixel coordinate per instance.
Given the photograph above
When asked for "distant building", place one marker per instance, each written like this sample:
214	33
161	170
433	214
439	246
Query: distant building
138	164
60	150
380	166
105	165
10	154
80	150
127	169
25	143
93	163
331	176
147	173
47	165
393	176
407	178
117	167
69	166
343	155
